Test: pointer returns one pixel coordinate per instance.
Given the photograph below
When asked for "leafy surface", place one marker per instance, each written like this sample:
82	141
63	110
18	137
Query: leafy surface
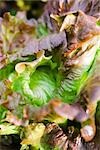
46	64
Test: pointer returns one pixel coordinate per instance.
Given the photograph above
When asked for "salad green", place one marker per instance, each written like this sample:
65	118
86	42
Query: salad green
43	83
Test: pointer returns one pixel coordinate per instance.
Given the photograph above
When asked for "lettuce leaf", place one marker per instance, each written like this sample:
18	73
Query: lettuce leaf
79	73
15	34
33	134
36	89
3	112
7	129
35	80
43	85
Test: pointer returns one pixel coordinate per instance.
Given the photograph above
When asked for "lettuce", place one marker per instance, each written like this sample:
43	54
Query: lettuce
36	83
37	89
7	129
40	80
43	85
79	73
15	34
3	112
33	134
33	72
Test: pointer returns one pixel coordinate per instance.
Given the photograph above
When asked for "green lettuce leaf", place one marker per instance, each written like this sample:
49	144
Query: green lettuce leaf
7	129
79	73
3	112
35	81
43	85
37	89
4	72
33	134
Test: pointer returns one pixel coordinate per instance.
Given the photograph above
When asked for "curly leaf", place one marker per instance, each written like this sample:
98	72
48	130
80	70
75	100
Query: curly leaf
76	78
15	34
6	129
33	134
34	80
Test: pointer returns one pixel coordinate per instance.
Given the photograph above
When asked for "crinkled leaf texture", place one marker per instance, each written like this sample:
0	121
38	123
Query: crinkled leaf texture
16	32
7	129
37	89
43	86
35	81
79	73
33	134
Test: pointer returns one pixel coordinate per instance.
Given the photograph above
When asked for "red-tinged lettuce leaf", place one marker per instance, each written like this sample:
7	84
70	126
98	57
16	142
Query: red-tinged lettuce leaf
92	96
78	74
16	32
55	41
89	7
55	138
79	28
62	6
19	38
58	112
